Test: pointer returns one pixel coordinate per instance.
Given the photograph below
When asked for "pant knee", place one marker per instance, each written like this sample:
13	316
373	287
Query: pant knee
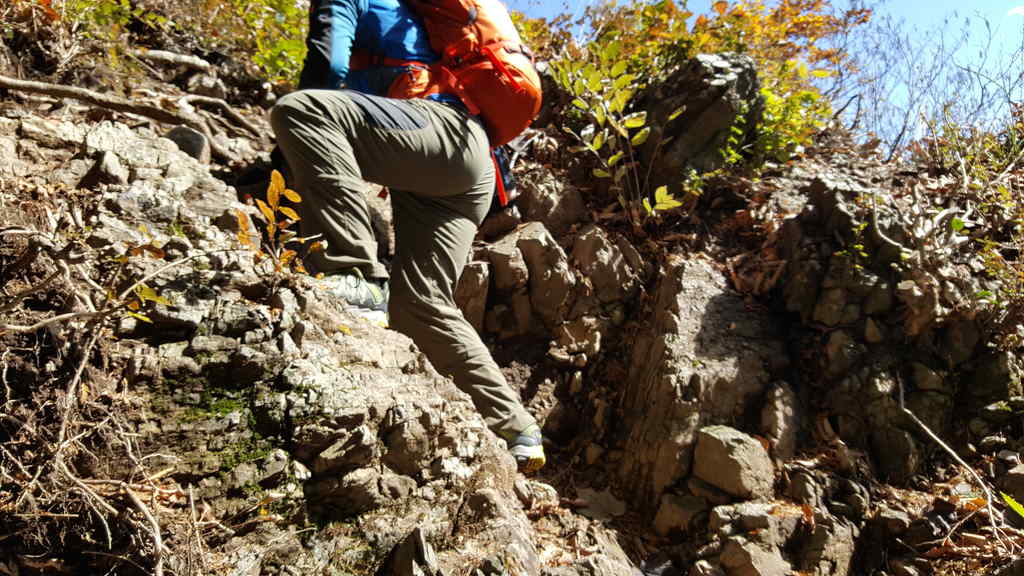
287	108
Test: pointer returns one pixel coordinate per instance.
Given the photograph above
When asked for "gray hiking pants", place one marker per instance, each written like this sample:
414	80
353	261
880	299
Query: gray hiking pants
436	161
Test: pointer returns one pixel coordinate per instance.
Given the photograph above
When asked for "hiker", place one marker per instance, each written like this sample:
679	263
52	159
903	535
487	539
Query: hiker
340	130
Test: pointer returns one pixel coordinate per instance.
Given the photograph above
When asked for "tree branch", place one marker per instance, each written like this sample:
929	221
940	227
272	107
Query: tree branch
118	104
165	57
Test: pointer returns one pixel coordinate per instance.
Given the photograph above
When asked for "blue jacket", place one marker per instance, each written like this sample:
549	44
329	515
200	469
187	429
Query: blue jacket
381	27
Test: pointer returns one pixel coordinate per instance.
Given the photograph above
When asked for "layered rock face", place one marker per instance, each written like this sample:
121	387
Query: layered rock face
703	360
265	404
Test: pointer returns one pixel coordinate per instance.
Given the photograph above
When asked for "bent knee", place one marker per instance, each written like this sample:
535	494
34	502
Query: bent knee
287	109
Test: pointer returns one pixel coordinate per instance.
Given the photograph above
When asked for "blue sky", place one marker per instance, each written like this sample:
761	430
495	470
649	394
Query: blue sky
1005	16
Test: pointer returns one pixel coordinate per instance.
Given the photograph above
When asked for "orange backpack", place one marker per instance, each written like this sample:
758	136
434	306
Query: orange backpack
483	62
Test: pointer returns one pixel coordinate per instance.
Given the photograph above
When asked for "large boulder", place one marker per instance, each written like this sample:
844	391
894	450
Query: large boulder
733	462
716	93
703	357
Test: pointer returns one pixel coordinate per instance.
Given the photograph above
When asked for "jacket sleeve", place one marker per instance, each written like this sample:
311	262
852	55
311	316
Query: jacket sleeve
332	30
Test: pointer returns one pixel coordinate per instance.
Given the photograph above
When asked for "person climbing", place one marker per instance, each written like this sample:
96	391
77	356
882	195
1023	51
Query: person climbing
339	130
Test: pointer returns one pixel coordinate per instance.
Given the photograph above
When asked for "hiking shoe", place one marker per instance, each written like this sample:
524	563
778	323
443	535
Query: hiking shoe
368	298
528	449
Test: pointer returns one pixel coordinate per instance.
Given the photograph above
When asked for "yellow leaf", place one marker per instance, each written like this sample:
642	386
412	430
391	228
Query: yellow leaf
288	256
344	329
292	195
721	6
148	294
265	210
289	213
663	200
244	237
640	137
142	317
275	189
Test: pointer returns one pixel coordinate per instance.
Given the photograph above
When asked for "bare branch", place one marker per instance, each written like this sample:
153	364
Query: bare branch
158	541
118	104
165	57
44	323
997	531
226	108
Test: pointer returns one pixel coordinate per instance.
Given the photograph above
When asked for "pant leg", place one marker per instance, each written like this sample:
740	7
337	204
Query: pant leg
436	160
315	130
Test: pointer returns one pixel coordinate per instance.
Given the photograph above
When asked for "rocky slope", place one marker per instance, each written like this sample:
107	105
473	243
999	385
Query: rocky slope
725	396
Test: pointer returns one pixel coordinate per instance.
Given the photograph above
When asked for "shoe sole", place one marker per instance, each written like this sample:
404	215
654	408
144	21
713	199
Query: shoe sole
529	458
531	465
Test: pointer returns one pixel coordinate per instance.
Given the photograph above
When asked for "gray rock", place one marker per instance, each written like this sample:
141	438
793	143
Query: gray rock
547	199
742	557
409	447
191	142
413	557
354	450
1013	482
508	267
717	92
842	353
207	85
355	493
532	493
829	310
501	223
52	133
780	420
995	378
702	357
676	514
471	293
603	263
734	462
107	169
897	452
708	492
551	279
829	551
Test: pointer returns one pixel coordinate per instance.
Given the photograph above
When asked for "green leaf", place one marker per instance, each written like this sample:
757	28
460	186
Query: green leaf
619	68
599	140
615	158
675	113
601	173
640	137
578	87
956	224
1013	504
146	293
623	81
622	98
594	81
636	120
663	200
647	206
579	103
138	316
599	115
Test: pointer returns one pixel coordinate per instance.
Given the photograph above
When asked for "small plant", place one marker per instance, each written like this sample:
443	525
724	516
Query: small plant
278	220
603	92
